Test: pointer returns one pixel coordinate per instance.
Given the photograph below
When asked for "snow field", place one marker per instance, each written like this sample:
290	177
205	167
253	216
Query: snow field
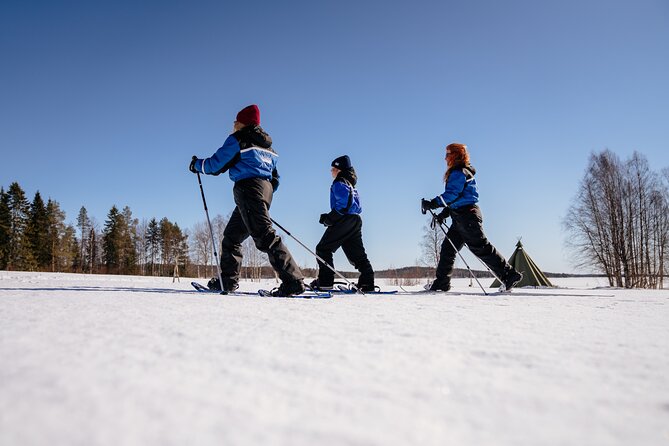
118	360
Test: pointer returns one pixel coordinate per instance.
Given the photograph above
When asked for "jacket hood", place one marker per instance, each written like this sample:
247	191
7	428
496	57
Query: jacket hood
348	175
254	135
469	167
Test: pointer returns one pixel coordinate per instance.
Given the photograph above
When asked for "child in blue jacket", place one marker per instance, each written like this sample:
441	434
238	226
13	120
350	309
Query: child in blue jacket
343	228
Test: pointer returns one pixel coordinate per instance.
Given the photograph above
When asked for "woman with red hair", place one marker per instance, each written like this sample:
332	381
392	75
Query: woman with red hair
459	199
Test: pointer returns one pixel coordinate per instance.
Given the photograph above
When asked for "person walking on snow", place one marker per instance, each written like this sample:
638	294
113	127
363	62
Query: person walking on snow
459	199
343	229
248	156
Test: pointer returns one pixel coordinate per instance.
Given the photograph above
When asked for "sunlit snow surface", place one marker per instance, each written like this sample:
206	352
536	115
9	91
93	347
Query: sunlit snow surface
118	360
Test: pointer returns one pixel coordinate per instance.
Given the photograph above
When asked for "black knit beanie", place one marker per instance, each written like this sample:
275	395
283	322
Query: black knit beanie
341	163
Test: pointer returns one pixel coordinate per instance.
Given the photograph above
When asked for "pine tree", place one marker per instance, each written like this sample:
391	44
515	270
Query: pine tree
153	243
141	246
92	251
19	251
67	250
174	245
111	236
37	234
118	248
84	225
129	242
166	242
182	249
5	227
57	238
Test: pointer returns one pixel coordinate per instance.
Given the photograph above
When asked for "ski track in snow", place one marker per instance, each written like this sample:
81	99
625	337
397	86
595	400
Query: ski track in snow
119	360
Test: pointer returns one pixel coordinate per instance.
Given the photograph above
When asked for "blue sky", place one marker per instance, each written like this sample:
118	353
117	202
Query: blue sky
104	103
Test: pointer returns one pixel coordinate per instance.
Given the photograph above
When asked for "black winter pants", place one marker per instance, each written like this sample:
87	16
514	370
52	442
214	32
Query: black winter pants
347	234
467	228
253	197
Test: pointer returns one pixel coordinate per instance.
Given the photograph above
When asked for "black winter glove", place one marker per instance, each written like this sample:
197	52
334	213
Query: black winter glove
192	165
325	220
426	205
275	180
438	219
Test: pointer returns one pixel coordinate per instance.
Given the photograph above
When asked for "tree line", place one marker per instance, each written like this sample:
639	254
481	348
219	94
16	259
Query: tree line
34	236
619	220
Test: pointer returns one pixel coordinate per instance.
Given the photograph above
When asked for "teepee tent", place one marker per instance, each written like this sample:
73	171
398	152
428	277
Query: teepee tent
532	275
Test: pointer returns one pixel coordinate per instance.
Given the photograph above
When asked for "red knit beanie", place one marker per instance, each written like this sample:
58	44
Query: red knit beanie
249	115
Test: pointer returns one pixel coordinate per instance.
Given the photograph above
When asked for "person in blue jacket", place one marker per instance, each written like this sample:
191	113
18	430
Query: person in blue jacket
460	200
250	160
343	228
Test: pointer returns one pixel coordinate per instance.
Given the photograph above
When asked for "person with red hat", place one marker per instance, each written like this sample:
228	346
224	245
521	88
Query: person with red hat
248	157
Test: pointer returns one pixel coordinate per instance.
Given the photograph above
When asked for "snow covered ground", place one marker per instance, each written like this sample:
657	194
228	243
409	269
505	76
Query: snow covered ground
117	360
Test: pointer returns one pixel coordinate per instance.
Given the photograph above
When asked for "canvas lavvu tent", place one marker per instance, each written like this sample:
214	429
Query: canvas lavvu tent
532	275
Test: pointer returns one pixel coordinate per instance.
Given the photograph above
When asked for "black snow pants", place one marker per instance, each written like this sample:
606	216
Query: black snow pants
467	227
347	234
253	197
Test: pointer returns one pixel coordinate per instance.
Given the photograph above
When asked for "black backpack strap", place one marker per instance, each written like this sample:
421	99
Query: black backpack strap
350	195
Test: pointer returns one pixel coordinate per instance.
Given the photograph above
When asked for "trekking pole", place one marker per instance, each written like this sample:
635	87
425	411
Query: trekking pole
456	250
211	232
318	257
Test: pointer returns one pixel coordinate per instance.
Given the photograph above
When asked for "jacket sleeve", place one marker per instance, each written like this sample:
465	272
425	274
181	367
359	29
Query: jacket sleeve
339	196
454	187
224	158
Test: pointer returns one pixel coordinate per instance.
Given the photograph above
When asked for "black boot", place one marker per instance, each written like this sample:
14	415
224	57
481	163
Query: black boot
512	279
366	280
316	285
229	285
441	284
290	288
214	284
366	287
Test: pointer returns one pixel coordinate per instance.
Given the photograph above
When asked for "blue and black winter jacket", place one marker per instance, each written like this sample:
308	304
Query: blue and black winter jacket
460	189
344	198
247	153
